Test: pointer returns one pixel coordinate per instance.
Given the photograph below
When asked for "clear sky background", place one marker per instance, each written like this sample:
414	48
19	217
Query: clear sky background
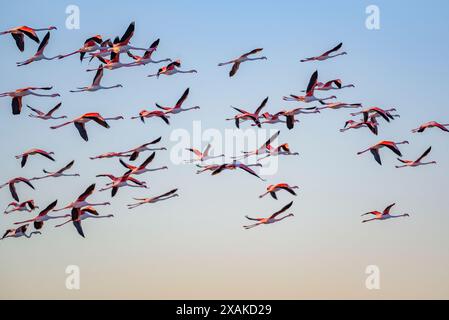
194	246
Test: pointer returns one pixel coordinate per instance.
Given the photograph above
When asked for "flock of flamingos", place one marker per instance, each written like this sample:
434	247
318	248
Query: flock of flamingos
108	53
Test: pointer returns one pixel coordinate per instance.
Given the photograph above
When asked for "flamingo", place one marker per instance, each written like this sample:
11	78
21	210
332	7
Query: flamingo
18	34
85	118
12	186
431	124
371	125
104	50
245	115
290	115
147	57
393	146
120	45
19	232
309	97
213	167
144	147
340	105
18	94
327	54
163	197
138	170
110	64
171	69
178	107
59	173
417	162
283	149
119	182
82	202
46	116
110	155
27	206
39	55
43	216
90	45
271	219
335	84
271	119
79	215
243	58
384	215
236	165
273	188
262	149
202	156
145	114
376	111
24	156
95	86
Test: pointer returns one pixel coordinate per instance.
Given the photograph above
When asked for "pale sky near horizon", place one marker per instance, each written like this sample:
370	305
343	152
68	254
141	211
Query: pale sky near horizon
194	246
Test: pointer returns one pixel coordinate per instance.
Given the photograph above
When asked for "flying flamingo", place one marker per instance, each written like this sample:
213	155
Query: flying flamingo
271	119
393	146
90	45
327	54
39	55
85	118
119	182
340	105
18	34
272	189
202	156
290	114
213	167
46	116
431	124
178	107
111	155
79	215
110	64
335	84
385	215
147	57
243	58
144	147
43	216
236	165
95	86
371	125
417	162
27	206
282	149
138	170
20	93
376	111
24	156
163	197
59	173
19	232
171	69
145	114
262	149
309	97
120	45
12	186
82	202
271	219
245	115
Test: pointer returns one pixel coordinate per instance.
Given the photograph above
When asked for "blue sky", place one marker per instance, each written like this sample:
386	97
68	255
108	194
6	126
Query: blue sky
194	246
